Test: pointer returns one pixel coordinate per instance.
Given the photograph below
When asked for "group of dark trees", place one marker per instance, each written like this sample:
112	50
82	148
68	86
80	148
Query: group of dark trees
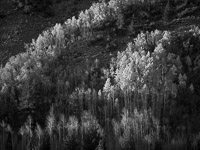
30	6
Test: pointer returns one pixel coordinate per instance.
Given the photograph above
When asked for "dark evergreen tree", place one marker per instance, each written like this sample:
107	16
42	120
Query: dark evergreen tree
168	12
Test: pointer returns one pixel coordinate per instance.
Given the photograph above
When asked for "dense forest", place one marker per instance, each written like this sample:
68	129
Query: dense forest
120	75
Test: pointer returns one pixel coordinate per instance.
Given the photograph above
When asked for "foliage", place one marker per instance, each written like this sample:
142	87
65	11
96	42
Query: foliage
156	73
136	129
92	132
154	84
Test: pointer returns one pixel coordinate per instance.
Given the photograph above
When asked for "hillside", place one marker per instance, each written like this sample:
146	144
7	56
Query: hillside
119	75
18	27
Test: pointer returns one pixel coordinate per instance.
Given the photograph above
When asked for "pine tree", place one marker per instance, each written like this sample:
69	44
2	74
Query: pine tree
168	11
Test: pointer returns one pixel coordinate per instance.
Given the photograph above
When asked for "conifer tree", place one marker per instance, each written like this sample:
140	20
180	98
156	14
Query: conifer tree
168	11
